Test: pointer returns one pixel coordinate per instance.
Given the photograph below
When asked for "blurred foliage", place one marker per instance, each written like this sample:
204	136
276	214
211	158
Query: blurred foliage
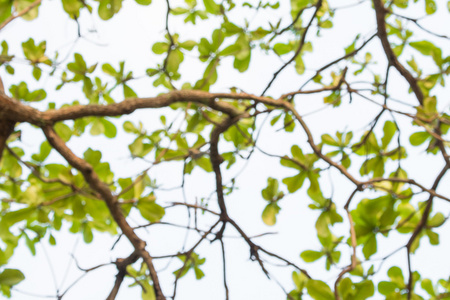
41	195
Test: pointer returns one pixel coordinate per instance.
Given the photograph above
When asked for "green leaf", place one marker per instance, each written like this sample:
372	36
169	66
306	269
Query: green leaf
427	285
78	66
327	139
72	7
299	65
299	279
418	138
319	290
21	92
345	288
294	183
430	7
129	127
322	226
297	5
148	293
275	119
396	276
110	129
37	72
217	39
87	234
310	255
289	123
429	49
327	24
437	220
160	48
108	69
433	237
19	215
52	240
364	289
386	287
231	28
92	157
144	2
198	273
370	246
269	214
389	130
242	64
108	8
97	127
297	153
188	45
192	261
259	33
11	277
204	163
25	4
150	210
271	191
128	92
211	6
233	49
174	60
282	49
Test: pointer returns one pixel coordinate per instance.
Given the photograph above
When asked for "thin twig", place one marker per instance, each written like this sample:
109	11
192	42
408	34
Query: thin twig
20	13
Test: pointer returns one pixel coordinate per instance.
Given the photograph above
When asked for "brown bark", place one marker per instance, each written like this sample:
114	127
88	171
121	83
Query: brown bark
102	188
6	126
392	58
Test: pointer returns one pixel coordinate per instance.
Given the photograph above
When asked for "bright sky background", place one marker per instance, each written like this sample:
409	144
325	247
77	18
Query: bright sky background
129	36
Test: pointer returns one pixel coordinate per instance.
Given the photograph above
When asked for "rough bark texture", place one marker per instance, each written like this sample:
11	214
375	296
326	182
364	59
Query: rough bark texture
6	126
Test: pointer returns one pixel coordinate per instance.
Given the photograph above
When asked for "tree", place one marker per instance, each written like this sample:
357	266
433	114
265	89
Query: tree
383	201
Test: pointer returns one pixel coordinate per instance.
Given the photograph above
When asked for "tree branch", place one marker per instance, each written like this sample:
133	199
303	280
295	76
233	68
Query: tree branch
392	58
102	188
121	264
20	13
298	51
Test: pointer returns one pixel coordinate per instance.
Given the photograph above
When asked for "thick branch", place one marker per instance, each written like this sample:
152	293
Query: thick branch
96	184
392	58
6	126
216	160
19	112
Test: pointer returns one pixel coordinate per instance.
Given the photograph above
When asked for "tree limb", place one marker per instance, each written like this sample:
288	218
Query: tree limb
392	58
102	188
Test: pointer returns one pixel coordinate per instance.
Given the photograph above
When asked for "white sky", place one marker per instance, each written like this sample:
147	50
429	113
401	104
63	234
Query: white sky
129	36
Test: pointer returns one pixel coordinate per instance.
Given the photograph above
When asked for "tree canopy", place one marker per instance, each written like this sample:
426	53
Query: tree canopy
347	117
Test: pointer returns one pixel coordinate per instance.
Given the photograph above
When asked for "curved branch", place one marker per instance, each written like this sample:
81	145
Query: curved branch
6	126
392	58
113	205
